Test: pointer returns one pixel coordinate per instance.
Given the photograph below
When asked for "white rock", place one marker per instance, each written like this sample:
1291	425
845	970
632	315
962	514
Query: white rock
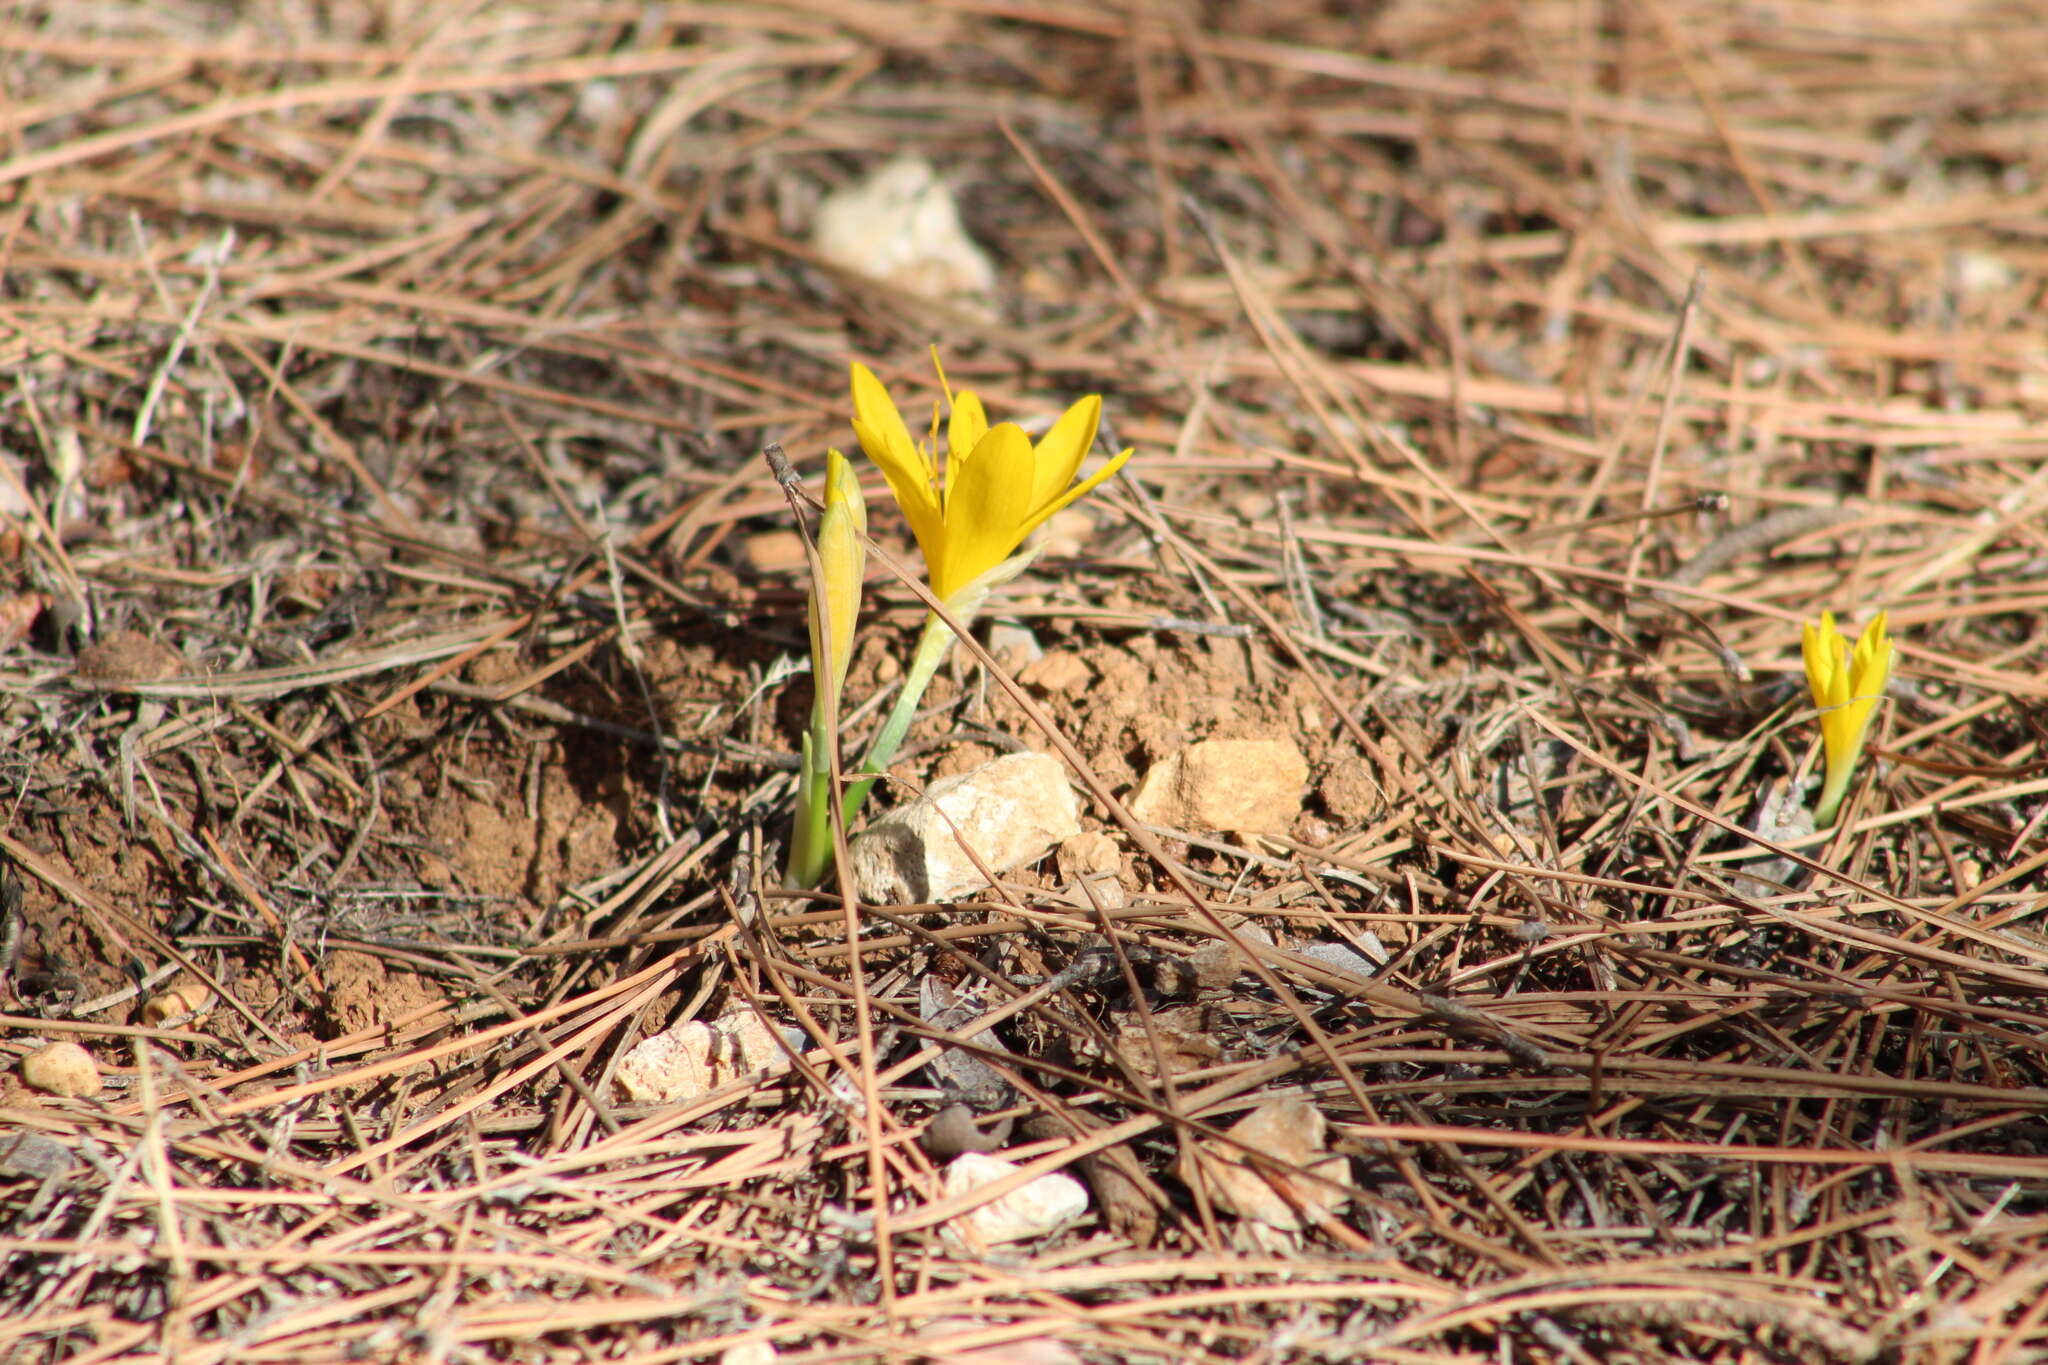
692	1058
186	1002
1346	958
1014	644
62	1068
902	226
1009	812
1093	854
1031	1210
1977	273
1253	785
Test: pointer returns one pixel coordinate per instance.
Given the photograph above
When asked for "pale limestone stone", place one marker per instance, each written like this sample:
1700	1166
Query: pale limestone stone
1031	1210
774	552
1093	858
1092	854
1014	646
61	1069
901	225
695	1057
184	1003
1010	812
1249	785
1059	673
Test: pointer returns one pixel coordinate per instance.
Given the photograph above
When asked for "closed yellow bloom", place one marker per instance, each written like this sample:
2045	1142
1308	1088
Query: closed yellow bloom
834	612
842	560
1847	686
995	487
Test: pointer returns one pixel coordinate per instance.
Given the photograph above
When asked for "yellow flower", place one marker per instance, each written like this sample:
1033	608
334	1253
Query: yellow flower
1847	686
995	488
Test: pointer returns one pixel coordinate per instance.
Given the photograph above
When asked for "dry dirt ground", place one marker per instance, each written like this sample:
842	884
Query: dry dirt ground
403	673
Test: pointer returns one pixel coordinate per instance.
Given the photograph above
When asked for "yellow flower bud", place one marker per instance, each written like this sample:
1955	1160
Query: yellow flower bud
842	565
1847	686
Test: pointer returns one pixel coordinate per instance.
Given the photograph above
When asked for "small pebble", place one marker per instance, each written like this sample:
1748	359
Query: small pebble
1252	785
181	1003
1011	811
1031	1210
61	1069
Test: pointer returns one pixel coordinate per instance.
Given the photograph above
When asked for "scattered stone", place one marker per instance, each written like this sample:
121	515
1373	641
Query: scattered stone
1978	273
1292	1132
1010	812
1089	854
1349	792
1031	1210
1014	646
1249	785
694	1058
902	226
1343	957
127	656
1217	963
1783	817
36	1156
179	1005
773	553
61	1069
18	614
1058	674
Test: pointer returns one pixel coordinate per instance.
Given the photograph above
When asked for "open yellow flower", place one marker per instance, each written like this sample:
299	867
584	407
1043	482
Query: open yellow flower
1847	686
996	487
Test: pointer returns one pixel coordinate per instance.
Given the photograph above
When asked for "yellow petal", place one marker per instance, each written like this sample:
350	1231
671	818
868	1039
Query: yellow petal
1824	650
885	433
908	483
1871	668
969	424
1061	450
985	510
1074	494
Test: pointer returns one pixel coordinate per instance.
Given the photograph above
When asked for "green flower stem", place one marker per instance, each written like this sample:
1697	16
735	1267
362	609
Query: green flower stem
924	666
810	839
